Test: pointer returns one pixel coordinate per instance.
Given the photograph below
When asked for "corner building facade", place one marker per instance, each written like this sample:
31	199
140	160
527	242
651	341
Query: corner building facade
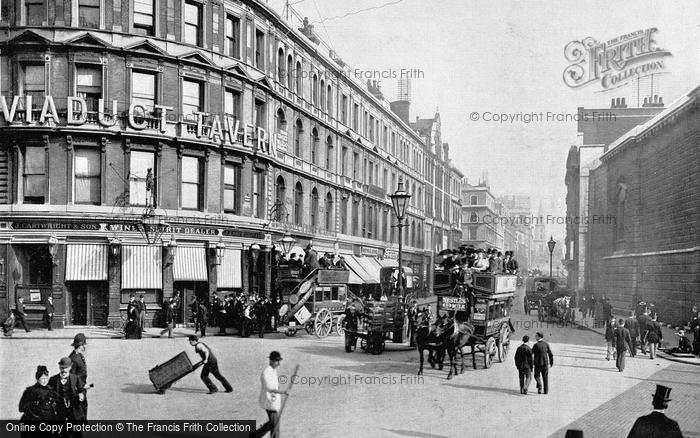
218	117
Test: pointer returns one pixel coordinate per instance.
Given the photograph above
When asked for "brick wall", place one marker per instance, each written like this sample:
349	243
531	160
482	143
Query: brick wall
658	259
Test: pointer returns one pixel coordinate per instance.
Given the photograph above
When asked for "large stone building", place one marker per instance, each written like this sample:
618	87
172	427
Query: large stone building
648	181
597	128
155	147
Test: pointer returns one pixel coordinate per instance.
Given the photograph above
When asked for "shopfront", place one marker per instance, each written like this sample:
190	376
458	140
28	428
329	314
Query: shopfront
190	278
87	288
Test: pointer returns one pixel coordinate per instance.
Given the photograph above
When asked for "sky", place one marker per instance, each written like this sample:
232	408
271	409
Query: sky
500	56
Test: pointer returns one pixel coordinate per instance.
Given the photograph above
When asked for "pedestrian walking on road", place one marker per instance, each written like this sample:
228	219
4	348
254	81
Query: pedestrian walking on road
657	424
132	329
644	322
20	315
654	337
524	363
70	392
543	360
610	327
270	397
142	312
48	312
211	365
79	365
633	326
38	402
168	307
622	342
350	325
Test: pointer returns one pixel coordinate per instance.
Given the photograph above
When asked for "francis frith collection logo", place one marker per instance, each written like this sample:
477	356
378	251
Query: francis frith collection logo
615	62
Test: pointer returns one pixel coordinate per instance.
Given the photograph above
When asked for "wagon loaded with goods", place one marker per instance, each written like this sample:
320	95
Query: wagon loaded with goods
315	302
379	322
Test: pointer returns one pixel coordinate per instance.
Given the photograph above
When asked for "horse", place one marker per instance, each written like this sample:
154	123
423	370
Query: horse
455	335
427	339
563	309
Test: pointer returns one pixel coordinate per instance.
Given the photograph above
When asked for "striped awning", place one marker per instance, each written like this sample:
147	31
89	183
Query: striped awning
86	262
142	267
229	272
361	272
354	278
389	263
190	264
370	265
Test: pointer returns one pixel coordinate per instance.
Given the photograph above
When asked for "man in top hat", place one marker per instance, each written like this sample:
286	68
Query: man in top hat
310	260
270	396
79	366
657	424
48	312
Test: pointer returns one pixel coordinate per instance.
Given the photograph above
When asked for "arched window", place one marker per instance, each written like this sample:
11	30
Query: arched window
329	100
619	227
299	78
297	138
330	158
329	212
281	120
420	198
344	215
280	196
420	235
314	207
290	72
473	218
322	99
413	233
281	76
314	89
314	146
298	203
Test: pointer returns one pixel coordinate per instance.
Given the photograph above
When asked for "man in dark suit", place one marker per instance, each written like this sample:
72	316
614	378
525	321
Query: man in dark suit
48	312
70	391
543	361
633	326
310	260
643	322
524	363
657	424
622	340
20	315
79	365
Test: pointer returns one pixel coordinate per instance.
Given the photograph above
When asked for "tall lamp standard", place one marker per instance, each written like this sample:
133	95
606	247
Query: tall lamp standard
399	200
551	245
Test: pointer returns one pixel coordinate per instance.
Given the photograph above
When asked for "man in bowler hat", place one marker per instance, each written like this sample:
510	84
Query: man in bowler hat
524	363
48	312
270	397
543	360
622	341
70	392
657	424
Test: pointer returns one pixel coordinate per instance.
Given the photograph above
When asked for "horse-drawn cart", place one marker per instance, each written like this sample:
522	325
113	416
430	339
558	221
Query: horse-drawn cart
379	322
315	302
555	306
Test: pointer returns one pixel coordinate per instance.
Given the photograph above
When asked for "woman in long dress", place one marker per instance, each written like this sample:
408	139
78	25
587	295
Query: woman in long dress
38	402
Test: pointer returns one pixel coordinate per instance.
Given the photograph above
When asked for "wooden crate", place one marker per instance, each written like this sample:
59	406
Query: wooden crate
165	374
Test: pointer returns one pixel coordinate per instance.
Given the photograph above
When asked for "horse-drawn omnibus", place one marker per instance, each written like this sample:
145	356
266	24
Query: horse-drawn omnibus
315	302
486	304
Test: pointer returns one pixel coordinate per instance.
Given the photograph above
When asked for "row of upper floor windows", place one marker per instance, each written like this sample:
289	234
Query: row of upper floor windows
236	31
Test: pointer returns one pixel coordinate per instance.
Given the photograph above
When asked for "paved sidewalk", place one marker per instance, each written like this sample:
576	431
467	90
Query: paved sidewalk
615	418
670	339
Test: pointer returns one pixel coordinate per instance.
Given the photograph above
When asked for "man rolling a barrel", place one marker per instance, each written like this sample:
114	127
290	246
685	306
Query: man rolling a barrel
210	365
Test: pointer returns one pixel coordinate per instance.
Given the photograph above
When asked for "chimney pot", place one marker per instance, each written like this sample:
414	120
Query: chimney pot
612	103
661	100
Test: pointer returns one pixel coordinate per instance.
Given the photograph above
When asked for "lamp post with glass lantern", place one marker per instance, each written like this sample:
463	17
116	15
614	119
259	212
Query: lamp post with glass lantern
551	245
399	200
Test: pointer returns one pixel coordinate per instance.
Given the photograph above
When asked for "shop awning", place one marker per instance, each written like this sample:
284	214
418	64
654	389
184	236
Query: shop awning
370	265
361	272
229	272
190	264
142	267
86	262
389	263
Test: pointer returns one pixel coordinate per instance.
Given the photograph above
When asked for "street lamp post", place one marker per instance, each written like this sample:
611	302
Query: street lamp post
551	245
399	200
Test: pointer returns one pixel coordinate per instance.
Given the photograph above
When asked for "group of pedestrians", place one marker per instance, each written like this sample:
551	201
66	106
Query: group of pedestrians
135	317
539	358
624	336
18	317
61	398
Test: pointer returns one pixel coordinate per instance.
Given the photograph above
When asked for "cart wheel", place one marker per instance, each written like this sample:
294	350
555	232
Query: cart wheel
339	325
489	352
504	343
323	323
290	332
